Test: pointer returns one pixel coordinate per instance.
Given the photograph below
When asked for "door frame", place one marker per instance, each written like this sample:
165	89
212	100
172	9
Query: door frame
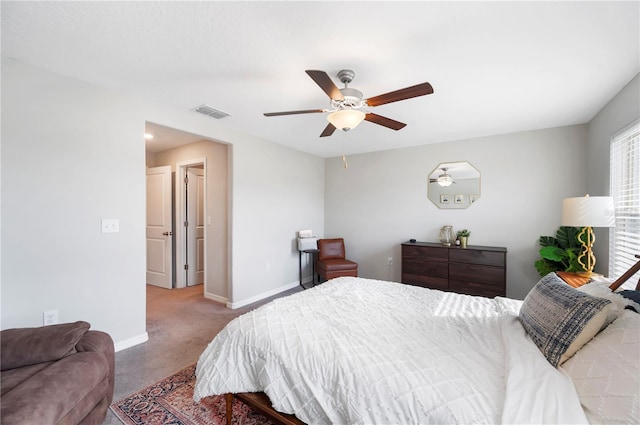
180	218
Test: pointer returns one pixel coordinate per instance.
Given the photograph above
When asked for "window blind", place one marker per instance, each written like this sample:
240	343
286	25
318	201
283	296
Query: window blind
624	238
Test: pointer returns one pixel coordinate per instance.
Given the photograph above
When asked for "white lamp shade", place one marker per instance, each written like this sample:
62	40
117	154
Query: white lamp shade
346	119
592	211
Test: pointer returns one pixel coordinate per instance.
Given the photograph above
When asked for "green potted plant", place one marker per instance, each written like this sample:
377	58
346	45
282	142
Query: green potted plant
463	237
560	253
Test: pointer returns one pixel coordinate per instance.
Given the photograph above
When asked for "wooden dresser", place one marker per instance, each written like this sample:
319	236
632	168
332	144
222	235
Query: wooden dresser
475	270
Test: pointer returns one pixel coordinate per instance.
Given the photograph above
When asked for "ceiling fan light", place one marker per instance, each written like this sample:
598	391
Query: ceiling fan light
445	180
346	119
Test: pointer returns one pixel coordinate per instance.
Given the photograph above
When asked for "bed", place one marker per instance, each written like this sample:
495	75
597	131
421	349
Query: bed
364	351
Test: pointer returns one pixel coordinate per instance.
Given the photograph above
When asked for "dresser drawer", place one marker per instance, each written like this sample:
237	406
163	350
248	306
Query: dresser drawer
426	253
475	288
476	256
476	273
428	268
476	270
474	279
425	281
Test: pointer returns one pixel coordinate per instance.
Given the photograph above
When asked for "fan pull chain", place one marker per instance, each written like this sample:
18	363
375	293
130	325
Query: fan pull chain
344	161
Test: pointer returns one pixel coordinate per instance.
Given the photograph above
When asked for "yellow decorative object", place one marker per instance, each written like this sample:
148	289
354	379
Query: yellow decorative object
588	212
587	238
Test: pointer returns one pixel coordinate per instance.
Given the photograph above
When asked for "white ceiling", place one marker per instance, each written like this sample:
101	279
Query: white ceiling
496	67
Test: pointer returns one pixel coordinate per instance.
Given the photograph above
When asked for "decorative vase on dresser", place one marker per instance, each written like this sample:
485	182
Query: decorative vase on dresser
476	270
447	235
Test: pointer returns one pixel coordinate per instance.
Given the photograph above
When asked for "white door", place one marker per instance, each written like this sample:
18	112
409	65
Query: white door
159	227
195	228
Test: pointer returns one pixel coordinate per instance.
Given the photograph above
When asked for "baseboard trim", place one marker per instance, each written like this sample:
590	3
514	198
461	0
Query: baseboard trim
130	342
262	296
215	297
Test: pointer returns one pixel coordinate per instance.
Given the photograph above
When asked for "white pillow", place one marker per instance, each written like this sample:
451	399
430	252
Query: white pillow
606	372
601	290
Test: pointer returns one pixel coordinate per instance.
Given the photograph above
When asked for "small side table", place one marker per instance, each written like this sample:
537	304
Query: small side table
573	279
313	253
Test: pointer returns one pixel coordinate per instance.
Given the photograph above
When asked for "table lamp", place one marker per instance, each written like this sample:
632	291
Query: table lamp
588	212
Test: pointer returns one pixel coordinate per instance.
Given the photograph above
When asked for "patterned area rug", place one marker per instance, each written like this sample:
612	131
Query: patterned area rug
170	401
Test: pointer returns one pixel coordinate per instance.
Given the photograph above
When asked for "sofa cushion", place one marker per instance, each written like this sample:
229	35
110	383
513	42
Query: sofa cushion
64	392
13	377
27	346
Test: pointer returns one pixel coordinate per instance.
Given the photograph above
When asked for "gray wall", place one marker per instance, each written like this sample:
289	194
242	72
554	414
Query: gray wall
381	200
73	153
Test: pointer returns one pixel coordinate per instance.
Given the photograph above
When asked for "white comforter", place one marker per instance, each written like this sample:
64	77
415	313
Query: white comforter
360	351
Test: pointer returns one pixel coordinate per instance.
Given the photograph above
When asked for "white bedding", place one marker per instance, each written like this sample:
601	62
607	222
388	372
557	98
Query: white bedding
362	351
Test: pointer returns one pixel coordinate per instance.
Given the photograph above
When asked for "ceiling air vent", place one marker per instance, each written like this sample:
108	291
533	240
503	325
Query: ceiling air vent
212	112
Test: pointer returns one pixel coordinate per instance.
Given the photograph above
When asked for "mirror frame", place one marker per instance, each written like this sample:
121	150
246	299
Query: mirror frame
460	197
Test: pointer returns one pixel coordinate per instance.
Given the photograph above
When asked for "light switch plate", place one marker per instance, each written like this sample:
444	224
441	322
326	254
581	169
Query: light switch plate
110	225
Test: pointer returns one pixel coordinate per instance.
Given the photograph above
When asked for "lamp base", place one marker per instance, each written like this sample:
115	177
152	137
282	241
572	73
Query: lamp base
587	238
589	274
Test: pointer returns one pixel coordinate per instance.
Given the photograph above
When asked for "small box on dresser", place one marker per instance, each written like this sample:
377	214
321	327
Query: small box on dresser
475	270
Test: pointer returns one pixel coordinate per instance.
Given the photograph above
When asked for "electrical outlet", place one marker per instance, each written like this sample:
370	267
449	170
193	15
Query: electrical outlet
390	260
50	317
110	225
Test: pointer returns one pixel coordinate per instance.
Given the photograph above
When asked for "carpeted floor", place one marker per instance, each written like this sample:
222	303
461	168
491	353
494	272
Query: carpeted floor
170	401
180	324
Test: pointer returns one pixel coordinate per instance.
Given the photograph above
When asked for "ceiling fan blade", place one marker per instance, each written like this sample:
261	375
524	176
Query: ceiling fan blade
384	121
328	130
402	94
306	111
322	79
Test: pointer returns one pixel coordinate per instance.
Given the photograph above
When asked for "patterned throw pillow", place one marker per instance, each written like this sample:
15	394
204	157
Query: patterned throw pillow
561	319
634	299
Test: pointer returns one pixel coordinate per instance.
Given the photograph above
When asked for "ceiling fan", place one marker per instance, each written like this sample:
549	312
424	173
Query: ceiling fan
443	179
346	103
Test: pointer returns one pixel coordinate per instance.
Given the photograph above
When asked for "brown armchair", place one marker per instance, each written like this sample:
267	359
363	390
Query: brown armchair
331	260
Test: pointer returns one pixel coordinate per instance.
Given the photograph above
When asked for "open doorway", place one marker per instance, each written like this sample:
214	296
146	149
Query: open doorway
200	198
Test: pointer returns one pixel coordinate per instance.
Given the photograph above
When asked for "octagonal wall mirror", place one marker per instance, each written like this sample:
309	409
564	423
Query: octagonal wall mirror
454	185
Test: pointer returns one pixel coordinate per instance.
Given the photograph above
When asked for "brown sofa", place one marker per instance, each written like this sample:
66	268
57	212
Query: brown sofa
58	374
